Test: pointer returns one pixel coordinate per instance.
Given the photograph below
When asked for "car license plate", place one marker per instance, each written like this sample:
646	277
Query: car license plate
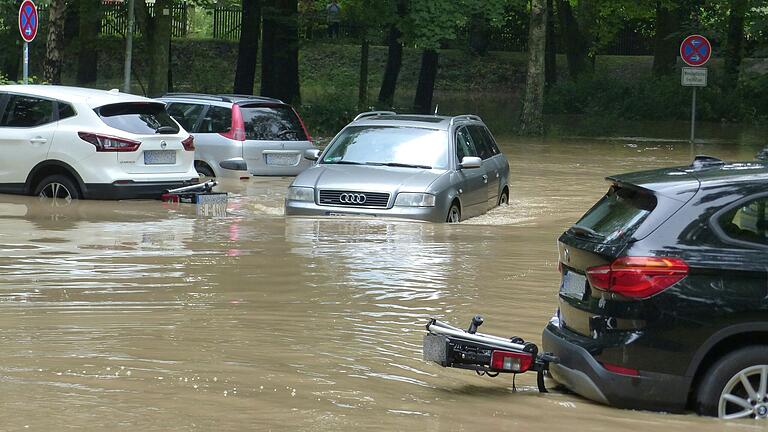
159	157
281	159
573	285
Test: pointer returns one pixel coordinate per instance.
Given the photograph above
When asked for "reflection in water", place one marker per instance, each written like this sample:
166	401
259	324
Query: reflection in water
144	316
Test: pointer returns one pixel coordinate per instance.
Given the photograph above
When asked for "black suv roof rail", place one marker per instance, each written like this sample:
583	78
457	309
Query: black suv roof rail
372	114
704	161
231	98
470	117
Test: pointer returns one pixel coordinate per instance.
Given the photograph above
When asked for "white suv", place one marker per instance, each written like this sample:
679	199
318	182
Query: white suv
70	143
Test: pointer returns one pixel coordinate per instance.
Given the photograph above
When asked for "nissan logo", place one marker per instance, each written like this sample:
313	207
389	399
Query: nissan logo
352	198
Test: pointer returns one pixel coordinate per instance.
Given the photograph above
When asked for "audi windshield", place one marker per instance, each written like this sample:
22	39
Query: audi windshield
406	147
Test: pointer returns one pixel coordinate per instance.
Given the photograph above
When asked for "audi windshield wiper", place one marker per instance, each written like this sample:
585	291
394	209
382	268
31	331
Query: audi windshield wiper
345	162
586	232
401	165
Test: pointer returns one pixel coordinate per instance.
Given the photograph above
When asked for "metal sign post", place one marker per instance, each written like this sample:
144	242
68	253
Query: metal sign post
28	21
695	52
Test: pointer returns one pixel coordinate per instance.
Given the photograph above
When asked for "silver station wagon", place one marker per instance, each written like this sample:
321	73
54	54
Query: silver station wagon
430	168
240	136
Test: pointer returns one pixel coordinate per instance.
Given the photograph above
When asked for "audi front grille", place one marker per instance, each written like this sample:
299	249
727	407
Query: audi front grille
354	199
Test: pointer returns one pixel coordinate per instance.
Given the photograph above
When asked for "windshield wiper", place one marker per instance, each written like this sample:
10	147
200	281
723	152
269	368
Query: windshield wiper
344	162
401	165
166	130
586	232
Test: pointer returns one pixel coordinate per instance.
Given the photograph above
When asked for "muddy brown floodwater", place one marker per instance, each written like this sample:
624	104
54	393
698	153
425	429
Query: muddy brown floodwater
143	316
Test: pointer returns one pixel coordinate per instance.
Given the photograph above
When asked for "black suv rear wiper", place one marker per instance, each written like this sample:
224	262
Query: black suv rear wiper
401	165
586	232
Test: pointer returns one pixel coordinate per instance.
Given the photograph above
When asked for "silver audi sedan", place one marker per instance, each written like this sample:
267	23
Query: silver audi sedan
430	168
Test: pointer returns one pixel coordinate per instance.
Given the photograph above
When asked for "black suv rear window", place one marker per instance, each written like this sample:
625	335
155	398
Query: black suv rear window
138	118
272	123
616	216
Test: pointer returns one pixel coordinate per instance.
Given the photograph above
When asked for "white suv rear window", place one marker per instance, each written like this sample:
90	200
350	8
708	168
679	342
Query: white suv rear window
138	118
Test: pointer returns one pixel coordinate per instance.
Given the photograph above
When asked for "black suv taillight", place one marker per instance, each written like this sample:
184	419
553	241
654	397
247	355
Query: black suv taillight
638	277
107	143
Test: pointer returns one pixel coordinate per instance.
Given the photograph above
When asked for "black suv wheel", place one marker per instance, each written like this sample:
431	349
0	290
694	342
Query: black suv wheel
736	386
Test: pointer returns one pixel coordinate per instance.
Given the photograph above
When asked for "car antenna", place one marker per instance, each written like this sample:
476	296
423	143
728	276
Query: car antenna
437	106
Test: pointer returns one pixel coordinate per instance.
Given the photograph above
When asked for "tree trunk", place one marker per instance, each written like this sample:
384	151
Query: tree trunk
550	59
666	43
247	54
577	43
394	60
422	103
392	69
90	23
55	42
280	78
156	32
734	50
479	34
269	27
362	91
532	119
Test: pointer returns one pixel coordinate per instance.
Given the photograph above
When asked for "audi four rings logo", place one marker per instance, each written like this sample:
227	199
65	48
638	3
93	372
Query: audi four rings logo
352	198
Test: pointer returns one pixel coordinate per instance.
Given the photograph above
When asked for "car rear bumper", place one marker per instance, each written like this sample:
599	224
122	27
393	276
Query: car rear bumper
579	371
132	190
303	208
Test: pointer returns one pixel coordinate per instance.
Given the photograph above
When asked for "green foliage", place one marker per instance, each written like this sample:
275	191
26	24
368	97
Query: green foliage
603	96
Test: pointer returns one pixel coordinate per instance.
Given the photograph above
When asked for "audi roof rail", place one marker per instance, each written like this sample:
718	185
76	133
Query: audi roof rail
373	113
470	117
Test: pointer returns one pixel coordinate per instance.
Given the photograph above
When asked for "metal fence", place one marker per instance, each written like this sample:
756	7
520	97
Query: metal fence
114	19
226	22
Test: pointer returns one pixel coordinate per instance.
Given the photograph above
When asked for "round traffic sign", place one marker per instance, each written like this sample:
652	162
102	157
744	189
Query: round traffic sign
695	50
28	20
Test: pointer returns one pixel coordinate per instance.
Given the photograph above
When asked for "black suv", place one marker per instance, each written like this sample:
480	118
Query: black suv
663	303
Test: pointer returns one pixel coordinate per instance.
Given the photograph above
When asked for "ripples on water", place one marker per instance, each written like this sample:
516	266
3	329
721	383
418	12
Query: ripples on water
140	315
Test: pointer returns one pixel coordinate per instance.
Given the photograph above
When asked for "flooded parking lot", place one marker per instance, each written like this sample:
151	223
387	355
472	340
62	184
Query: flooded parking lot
147	316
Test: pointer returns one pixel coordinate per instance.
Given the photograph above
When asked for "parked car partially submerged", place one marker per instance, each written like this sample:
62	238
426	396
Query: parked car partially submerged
664	293
663	300
69	143
240	135
431	168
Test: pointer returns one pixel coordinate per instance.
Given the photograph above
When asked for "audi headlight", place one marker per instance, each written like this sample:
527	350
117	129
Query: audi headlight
415	200
301	194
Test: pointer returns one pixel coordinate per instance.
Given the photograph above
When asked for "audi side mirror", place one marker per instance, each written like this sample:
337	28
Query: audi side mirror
470	162
312	154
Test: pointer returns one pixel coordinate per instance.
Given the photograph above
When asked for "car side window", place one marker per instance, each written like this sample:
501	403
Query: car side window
481	143
747	222
491	142
216	120
464	145
27	111
65	110
186	114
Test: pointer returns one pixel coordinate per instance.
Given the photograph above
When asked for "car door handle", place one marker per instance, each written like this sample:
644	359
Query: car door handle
38	140
485	179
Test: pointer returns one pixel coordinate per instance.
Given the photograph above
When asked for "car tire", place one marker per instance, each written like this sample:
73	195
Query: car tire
204	170
504	198
60	188
722	392
454	214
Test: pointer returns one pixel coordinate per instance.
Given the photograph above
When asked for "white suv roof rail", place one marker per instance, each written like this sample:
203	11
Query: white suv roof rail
471	117
373	113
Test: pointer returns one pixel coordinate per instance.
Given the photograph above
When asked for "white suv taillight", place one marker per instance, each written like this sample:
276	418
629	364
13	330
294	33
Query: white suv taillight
189	143
107	143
